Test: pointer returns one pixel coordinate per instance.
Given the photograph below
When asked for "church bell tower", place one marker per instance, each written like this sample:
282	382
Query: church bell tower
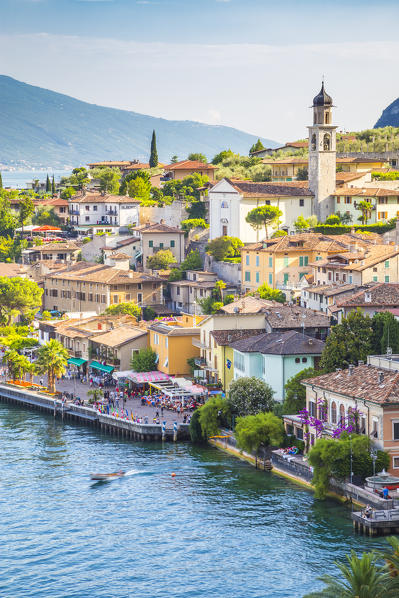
322	155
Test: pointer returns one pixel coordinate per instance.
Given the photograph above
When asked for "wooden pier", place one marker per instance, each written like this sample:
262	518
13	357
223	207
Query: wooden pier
108	424
380	523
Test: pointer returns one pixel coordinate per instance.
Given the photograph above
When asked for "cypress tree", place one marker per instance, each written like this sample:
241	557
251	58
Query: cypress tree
1	181
53	190
154	153
48	186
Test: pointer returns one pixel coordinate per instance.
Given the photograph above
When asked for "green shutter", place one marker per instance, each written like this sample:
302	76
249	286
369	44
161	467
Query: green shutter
300	260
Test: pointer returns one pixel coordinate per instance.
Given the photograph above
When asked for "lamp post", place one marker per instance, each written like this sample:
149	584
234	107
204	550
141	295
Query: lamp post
351	462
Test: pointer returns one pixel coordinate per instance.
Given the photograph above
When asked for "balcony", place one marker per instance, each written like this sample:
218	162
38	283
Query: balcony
110	212
197	343
74	212
200	361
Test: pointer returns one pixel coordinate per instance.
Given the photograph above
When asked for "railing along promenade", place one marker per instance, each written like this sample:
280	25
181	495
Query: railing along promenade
110	424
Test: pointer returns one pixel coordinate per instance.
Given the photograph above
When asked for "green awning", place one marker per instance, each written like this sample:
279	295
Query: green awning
76	361
103	368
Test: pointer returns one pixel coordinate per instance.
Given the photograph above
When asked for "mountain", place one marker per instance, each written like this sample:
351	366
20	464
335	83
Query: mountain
39	127
389	116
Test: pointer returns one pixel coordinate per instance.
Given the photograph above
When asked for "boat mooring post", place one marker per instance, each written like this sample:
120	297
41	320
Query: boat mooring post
163	431
174	431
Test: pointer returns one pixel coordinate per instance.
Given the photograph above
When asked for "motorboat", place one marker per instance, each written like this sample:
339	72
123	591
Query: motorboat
105	477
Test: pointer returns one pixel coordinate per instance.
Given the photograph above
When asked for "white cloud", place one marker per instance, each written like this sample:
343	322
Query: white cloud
260	88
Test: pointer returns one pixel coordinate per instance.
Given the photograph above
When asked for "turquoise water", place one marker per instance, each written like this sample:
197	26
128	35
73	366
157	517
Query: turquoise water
219	528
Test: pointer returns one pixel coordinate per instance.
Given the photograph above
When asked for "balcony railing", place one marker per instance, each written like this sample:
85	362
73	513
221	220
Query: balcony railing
197	343
75	212
111	212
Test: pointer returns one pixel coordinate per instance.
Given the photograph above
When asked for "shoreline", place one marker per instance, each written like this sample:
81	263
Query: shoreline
290	477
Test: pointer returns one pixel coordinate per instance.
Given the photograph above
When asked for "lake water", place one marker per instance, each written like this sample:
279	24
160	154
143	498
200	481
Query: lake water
18	179
219	528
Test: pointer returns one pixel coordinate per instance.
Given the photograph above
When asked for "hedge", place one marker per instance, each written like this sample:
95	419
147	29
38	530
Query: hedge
340	229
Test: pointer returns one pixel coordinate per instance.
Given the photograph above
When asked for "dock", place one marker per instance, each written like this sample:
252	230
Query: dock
107	424
380	523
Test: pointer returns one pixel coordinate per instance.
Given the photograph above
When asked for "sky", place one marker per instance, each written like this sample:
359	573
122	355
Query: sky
251	64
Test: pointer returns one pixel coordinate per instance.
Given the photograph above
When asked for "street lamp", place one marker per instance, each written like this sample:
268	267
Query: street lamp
351	472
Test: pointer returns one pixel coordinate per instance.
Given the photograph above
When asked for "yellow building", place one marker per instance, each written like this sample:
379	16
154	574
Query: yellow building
223	354
286	169
173	344
283	262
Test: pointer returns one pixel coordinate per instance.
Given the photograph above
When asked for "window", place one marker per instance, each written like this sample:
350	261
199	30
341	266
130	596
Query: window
304	359
386	278
301	203
297	360
224	204
103	299
257	277
139	286
139	297
341	414
154	298
348	200
156	339
271	279
395	462
90	297
350	279
172	243
312	408
270	262
257	260
87	208
177	290
375	278
395	430
247	260
333	412
161	245
382	215
326	142
286	277
116	298
150	243
338	200
387	264
247	276
127	297
239	361
286	262
87	218
94	208
166	342
224	230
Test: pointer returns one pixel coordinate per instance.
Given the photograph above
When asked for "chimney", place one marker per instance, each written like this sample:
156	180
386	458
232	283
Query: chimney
310	341
360	362
380	377
367	297
351	368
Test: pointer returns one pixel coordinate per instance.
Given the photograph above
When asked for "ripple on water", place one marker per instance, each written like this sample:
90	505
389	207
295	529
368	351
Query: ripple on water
218	528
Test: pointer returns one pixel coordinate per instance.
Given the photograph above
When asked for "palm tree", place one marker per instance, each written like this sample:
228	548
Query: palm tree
18	365
392	558
362	578
52	358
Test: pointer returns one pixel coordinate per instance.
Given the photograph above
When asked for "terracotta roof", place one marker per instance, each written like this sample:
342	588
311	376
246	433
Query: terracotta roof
137	166
291	316
251	189
365	191
359	260
111	163
299	243
11	270
382	294
280	343
174	330
331	290
362	383
119	256
119	336
190	165
67	246
225	337
283	161
157	228
96	197
345	177
248	305
89	272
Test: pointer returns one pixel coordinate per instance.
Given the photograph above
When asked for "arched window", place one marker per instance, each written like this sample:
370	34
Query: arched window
313	145
326	142
327	118
342	415
333	412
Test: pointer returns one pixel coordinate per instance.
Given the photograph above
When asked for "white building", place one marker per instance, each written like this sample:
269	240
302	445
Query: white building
102	212
231	201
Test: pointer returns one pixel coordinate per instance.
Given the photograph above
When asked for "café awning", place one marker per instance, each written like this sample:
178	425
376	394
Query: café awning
102	368
141	377
76	361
